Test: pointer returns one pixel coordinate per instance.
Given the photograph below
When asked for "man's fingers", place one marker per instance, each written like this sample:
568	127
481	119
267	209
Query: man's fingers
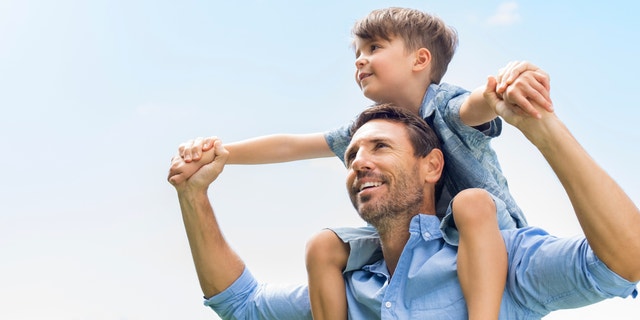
175	172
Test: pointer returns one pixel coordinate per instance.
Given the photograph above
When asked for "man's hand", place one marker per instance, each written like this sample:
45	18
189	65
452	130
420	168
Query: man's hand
204	176
524	85
511	113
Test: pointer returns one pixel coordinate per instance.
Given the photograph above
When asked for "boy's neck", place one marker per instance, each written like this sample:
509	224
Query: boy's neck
412	102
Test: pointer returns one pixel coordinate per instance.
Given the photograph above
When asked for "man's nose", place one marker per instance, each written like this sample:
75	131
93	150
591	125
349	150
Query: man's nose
362	161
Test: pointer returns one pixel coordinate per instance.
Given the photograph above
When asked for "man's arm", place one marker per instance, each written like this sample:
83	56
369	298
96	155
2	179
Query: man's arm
229	288
609	218
217	265
524	84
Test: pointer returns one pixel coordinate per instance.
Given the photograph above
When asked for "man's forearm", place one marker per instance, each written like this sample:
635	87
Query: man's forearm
609	218
217	265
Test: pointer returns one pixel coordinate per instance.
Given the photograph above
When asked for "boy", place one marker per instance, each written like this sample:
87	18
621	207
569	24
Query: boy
401	56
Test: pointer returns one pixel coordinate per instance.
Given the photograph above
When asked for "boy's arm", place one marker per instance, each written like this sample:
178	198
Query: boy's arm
261	150
523	84
279	148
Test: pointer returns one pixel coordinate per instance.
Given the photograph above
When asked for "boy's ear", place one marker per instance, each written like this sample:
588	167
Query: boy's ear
423	59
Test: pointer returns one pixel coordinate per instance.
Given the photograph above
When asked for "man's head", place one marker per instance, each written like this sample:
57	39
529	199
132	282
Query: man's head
394	163
417	29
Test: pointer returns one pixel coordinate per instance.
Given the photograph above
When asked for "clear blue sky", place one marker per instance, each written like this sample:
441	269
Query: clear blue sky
97	95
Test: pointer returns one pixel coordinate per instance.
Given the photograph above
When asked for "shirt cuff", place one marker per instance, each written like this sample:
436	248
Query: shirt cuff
608	281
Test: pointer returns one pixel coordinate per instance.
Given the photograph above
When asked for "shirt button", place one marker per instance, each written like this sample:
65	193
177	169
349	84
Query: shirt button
426	235
387	304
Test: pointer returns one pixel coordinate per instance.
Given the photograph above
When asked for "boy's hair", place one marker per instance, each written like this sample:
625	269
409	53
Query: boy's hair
421	135
418	30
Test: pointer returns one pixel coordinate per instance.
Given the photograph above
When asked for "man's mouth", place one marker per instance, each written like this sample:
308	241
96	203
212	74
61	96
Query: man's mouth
368	185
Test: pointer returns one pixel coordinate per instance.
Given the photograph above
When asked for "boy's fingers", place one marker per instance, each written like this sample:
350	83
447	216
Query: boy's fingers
184	150
196	147
207	143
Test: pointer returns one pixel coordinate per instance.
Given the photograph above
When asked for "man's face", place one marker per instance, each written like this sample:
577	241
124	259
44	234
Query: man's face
383	178
383	68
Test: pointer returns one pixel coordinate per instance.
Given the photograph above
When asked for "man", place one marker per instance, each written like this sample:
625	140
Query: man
392	185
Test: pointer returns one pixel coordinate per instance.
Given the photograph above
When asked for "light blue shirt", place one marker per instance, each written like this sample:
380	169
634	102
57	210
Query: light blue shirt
545	274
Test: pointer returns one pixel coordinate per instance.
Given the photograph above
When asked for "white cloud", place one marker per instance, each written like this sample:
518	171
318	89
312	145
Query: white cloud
507	14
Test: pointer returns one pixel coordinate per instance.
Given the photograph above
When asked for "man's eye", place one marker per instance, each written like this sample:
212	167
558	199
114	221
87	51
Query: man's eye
381	145
348	158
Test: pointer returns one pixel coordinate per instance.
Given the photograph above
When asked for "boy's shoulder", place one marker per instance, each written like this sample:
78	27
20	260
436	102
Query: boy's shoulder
439	96
447	88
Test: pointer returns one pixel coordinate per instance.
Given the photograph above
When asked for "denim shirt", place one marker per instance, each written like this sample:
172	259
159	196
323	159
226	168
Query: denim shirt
470	162
545	274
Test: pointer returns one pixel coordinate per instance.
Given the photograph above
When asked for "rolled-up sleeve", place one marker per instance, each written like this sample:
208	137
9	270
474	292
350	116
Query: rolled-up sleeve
247	299
548	273
338	140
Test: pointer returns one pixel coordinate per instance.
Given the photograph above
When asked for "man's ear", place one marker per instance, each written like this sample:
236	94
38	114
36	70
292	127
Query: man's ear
422	59
432	166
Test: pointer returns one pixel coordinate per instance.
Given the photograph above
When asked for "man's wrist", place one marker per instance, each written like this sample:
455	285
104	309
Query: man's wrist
546	133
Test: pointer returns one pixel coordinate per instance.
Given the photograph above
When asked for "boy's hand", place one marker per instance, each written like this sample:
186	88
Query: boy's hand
182	169
524	85
199	176
192	150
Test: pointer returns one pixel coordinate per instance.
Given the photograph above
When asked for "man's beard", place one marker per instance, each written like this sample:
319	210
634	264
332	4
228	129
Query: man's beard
404	198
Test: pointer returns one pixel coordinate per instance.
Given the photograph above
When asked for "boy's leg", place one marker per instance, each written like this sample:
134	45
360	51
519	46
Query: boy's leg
326	258
482	254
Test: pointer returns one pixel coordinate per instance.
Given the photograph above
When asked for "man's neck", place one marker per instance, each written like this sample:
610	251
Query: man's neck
393	239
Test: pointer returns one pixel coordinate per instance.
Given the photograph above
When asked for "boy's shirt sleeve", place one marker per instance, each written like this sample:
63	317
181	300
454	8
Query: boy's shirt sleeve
338	140
446	99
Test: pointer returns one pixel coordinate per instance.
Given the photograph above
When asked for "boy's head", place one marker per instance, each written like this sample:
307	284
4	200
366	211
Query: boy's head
417	29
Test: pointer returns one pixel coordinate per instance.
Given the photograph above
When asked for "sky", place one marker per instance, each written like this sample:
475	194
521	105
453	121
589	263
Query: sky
97	95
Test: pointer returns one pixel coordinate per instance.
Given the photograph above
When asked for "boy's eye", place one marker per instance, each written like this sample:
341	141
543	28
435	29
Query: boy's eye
374	47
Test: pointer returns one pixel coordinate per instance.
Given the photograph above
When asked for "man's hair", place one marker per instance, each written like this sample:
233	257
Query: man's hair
418	30
422	137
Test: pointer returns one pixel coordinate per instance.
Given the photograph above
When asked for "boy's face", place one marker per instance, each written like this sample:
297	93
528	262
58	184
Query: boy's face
383	68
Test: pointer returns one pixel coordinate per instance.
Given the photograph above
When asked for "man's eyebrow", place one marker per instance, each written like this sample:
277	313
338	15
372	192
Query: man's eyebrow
368	141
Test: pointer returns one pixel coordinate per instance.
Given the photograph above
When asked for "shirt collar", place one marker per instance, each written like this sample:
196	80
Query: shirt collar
427	225
426	108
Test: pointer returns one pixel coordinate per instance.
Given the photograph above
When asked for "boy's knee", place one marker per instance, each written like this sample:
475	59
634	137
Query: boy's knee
473	203
324	248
